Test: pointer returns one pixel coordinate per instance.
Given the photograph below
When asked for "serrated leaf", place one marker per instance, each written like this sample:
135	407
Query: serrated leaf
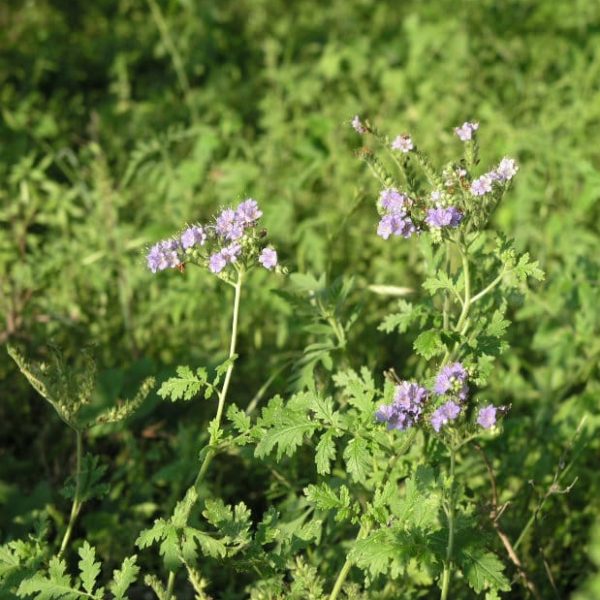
239	419
325	453
483	570
429	344
185	386
90	569
357	459
124	577
402	320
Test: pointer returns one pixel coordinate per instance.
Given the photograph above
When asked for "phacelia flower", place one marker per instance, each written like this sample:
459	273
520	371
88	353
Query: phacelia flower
358	125
506	170
443	217
393	201
406	407
228	226
466	130
164	255
487	416
445	413
217	262
403	143
247	212
483	185
268	258
193	236
452	379
231	253
395	224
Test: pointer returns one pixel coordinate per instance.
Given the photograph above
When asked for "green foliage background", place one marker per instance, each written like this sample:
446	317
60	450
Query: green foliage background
123	119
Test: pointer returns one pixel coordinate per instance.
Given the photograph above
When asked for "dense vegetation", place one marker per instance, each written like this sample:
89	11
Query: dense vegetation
121	121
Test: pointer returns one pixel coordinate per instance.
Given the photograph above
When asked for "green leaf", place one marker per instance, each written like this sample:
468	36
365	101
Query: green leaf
357	459
124	577
239	419
185	386
429	344
88	567
482	569
402	320
284	428
358	389
325	498
325	453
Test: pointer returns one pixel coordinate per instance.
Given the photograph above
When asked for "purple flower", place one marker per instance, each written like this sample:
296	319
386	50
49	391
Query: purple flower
228	226
406	407
483	185
358	125
402	143
217	262
445	413
193	236
268	258
506	170
487	416
395	224
443	217
231	253
393	201
248	212
163	255
452	379
466	130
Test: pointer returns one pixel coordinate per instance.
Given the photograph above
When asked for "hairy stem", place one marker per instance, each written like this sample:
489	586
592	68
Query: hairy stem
170	585
343	574
76	506
450	546
223	394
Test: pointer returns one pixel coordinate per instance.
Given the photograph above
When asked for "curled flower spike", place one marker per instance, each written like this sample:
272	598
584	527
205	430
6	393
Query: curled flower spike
483	185
403	143
406	407
164	255
466	130
395	224
444	414
193	236
487	416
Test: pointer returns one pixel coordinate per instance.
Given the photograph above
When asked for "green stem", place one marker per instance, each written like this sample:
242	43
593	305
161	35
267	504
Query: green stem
488	288
343	574
170	585
223	394
450	547
75	508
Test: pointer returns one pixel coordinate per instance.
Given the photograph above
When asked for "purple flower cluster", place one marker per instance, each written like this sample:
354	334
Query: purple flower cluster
503	173
406	407
230	224
395	220
452	379
232	237
466	130
403	143
487	416
444	414
443	217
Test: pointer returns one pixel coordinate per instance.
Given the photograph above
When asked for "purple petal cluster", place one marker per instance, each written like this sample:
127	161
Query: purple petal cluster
268	258
395	220
466	130
406	407
193	236
506	170
444	414
443	217
358	125
230	224
227	255
487	416
452	379
403	143
164	255
483	184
